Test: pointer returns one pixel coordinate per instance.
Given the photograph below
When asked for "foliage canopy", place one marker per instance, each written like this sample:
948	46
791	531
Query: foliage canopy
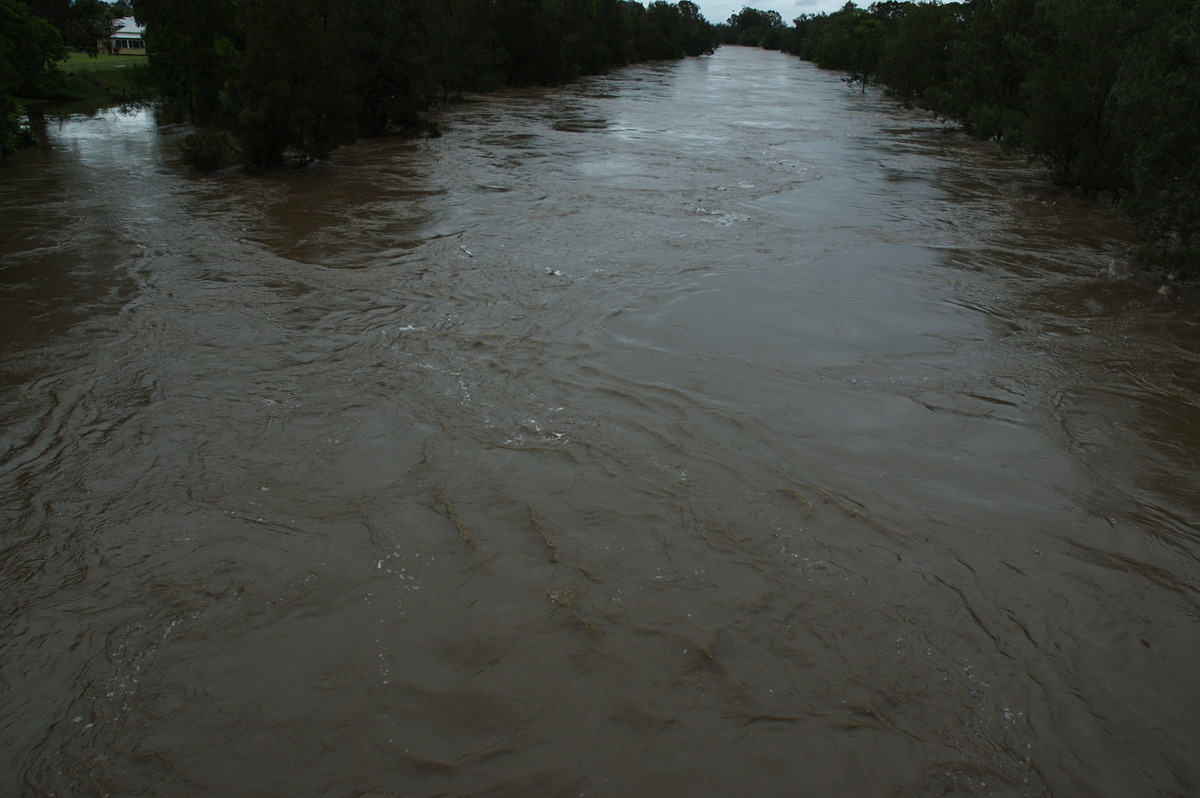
291	80
1105	92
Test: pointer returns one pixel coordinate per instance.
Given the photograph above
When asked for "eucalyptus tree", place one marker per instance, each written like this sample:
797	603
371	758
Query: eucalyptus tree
1154	111
291	80
291	95
193	49
915	55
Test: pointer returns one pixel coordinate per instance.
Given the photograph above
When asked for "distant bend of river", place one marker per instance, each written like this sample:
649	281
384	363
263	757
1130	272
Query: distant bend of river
706	428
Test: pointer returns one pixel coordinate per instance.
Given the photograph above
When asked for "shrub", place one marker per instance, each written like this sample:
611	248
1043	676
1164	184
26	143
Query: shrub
208	151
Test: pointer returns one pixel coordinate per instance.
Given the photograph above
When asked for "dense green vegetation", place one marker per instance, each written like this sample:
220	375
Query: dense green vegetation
29	49
84	25
288	81
753	28
1105	92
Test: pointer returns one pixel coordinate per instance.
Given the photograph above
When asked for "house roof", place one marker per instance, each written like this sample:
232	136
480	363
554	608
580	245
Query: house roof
128	27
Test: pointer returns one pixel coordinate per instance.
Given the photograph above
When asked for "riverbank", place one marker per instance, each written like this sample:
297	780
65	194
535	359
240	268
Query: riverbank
113	79
1104	96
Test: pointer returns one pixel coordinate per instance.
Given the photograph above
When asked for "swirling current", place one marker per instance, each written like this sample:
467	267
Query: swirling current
705	428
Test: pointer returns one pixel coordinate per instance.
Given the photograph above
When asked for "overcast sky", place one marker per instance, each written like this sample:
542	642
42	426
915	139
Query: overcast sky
717	11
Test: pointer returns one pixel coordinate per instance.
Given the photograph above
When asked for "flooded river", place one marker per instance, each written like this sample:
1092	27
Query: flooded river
707	428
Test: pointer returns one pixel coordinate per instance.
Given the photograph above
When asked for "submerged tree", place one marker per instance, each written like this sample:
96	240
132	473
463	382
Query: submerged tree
192	48
291	89
1154	116
915	55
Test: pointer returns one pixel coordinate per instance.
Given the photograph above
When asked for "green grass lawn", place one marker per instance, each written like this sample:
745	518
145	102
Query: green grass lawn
82	63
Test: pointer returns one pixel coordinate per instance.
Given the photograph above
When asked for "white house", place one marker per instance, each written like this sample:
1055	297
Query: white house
127	37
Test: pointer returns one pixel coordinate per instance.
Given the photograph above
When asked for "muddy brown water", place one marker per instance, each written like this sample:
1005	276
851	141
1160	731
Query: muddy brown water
706	428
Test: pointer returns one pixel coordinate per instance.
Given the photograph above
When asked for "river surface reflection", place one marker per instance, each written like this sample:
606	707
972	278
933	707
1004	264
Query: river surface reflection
706	428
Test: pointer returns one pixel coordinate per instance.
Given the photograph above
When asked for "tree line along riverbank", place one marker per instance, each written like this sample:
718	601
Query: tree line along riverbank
277	82
288	82
1105	93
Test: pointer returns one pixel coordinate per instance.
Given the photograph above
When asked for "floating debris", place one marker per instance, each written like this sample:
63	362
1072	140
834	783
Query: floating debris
800	497
467	533
543	533
563	597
